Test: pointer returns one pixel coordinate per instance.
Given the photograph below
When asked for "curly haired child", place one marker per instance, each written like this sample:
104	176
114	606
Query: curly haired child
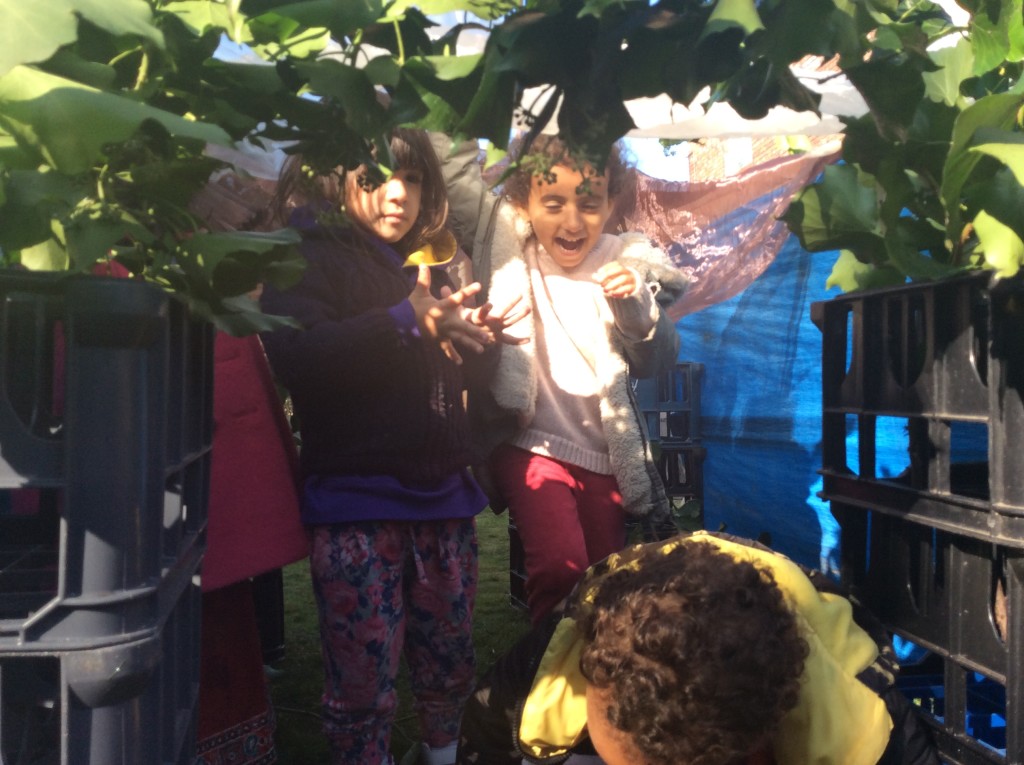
560	437
705	650
375	374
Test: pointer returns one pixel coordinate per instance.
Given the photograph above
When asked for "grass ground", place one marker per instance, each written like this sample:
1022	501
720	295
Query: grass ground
296	690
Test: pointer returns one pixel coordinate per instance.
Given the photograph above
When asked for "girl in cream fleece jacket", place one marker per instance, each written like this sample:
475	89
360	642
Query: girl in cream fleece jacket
559	434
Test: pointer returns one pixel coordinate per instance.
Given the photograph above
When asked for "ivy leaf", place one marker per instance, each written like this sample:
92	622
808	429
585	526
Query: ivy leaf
1005	146
489	114
1000	244
32	197
849	274
199	16
839	212
67	124
999	111
903	250
45	256
238	316
342	17
92	240
892	88
485	10
998	38
352	89
956	64
33	31
235	262
731	14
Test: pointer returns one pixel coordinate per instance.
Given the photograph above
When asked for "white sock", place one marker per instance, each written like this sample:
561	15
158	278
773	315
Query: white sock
444	755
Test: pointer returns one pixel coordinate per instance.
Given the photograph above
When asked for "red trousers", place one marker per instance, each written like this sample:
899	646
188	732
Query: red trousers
568	518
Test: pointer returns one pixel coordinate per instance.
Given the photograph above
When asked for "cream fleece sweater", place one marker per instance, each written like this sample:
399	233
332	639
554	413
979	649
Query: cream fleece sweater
574	324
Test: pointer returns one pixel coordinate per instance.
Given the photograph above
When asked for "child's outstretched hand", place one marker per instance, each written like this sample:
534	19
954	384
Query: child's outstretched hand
444	320
616	280
496	322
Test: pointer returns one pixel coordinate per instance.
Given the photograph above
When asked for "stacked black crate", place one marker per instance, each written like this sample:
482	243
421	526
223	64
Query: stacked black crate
670	406
105	431
935	545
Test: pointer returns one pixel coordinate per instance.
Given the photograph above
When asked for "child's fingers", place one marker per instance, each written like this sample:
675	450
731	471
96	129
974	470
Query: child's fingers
449	350
522	313
423	278
619	285
515	310
468	291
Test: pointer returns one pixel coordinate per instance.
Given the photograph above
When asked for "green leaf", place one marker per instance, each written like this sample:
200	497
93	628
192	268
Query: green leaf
1000	244
383	70
892	88
997	34
342	17
995	111
850	275
1006	146
238	316
92	240
484	10
203	15
67	124
32	197
957	64
837	212
729	14
45	256
209	249
353	90
33	31
489	114
448	68
904	253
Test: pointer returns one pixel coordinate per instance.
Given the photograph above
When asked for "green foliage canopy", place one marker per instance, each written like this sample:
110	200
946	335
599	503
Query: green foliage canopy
931	183
107	108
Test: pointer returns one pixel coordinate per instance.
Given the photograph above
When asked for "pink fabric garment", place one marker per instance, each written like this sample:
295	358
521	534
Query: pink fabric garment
253	523
721	234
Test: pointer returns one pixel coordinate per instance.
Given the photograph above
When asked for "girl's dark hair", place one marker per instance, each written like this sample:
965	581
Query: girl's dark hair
545	152
701	654
411	150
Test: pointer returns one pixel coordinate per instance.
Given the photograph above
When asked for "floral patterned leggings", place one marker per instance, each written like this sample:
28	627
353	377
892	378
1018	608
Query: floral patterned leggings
383	587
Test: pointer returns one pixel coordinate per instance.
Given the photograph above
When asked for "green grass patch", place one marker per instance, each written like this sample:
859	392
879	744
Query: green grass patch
296	690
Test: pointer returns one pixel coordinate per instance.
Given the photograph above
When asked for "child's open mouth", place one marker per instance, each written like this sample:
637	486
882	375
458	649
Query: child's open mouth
569	244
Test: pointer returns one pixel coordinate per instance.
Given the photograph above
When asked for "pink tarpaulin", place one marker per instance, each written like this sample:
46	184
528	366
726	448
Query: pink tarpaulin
721	234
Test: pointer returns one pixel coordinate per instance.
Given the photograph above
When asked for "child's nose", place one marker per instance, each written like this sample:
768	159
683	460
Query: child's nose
395	189
572	220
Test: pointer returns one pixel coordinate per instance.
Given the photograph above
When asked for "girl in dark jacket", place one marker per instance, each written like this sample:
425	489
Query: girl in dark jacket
376	380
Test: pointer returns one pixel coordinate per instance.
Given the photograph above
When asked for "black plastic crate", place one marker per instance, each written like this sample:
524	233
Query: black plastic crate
944	359
105	432
125	703
670	403
960	599
924	468
681	469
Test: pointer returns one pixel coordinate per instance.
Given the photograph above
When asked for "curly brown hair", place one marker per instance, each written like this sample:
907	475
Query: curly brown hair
545	152
410	149
701	654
